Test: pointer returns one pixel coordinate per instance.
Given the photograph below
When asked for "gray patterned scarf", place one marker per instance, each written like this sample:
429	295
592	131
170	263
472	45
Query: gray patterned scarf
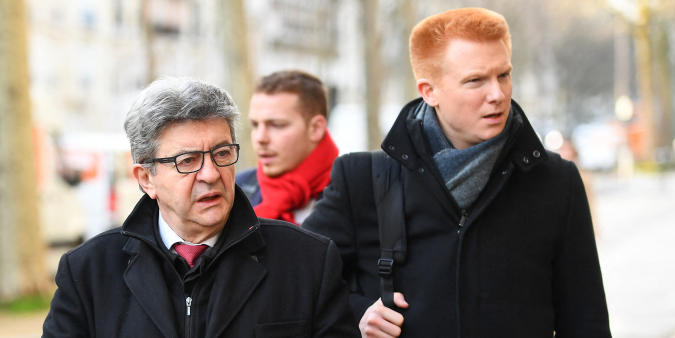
464	171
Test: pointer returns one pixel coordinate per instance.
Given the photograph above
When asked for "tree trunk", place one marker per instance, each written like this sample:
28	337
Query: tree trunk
22	252
407	14
643	52
149	42
662	74
373	72
239	75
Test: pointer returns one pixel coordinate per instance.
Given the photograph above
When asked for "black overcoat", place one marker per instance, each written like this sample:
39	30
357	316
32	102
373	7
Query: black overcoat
520	262
263	278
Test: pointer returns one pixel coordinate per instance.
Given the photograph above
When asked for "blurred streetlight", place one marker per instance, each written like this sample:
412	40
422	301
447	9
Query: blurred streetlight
627	8
623	108
553	140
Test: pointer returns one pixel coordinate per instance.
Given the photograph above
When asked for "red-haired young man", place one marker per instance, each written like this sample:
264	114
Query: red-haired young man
499	235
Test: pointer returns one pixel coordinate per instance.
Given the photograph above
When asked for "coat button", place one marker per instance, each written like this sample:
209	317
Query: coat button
391	147
420	170
526	160
504	172
536	154
404	156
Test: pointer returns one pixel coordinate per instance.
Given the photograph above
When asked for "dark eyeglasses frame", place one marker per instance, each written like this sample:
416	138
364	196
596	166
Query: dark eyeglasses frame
172	159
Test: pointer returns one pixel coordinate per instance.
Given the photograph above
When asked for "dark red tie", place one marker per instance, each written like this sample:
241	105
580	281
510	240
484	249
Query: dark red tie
190	252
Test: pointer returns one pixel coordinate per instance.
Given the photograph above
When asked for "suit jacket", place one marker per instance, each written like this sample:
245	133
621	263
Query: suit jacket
263	278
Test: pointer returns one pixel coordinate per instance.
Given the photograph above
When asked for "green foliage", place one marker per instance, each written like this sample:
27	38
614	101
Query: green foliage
654	167
27	304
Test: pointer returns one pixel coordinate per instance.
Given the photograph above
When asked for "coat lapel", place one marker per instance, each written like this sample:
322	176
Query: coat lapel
235	282
143	277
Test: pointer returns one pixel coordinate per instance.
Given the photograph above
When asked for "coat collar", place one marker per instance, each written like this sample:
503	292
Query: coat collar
239	272
524	149
241	224
406	143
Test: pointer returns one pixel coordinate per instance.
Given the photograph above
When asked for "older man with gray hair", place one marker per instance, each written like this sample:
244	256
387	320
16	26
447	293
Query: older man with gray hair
192	258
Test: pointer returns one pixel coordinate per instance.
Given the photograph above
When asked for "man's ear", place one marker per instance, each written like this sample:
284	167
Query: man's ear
143	176
316	127
426	89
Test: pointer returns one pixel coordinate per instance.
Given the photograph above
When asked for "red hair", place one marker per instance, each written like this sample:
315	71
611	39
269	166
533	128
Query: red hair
430	37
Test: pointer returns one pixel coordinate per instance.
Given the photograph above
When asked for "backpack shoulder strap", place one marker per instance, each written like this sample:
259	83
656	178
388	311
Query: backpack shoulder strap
388	196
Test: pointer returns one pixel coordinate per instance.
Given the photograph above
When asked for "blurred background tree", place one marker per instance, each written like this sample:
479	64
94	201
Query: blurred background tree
238	69
650	24
22	259
372	46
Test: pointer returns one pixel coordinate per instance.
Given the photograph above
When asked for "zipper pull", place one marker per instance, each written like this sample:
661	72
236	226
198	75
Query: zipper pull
462	220
188	303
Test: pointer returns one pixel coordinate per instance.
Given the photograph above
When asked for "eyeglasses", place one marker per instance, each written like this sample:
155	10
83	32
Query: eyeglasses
193	161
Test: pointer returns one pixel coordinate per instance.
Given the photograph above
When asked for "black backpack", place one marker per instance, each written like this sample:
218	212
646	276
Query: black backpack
389	205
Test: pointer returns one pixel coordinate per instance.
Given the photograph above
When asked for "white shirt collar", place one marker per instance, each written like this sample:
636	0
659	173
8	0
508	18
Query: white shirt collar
170	237
301	214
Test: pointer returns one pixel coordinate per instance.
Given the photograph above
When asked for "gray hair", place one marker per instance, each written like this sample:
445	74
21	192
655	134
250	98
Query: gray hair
169	100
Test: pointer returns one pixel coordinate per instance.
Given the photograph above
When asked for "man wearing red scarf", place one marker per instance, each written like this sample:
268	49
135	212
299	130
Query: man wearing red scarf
288	112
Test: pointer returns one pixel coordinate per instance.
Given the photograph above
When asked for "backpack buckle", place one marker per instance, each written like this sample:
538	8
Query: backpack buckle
385	266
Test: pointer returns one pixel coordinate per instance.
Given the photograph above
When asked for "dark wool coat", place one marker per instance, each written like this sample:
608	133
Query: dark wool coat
248	182
263	278
520	262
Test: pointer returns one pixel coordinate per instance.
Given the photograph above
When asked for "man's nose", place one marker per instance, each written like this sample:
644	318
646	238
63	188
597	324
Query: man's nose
260	134
496	92
209	169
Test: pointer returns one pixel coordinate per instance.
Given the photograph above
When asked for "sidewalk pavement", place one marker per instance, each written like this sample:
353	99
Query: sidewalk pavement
636	245
23	325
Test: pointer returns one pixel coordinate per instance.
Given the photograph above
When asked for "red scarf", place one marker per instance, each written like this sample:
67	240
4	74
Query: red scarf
292	190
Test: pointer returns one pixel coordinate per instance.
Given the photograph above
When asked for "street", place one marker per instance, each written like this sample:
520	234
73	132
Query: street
636	231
